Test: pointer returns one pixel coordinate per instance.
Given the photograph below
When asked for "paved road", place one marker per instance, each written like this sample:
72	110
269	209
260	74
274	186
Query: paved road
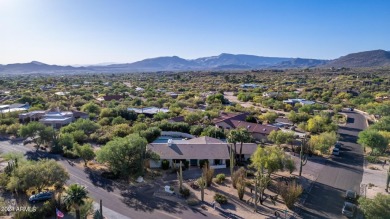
340	173
119	202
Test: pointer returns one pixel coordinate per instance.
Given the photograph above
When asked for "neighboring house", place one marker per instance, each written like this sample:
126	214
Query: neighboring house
282	122
176	119
107	83
194	150
14	107
251	86
270	94
139	89
172	94
61	93
224	119
259	132
54	118
300	101
47	87
150	111
110	97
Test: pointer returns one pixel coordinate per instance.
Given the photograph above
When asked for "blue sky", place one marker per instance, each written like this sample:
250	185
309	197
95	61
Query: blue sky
95	31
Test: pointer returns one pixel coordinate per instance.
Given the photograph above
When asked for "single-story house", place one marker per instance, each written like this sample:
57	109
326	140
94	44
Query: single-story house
150	111
259	132
270	94
176	119
14	107
300	101
193	151
111	97
224	118
54	118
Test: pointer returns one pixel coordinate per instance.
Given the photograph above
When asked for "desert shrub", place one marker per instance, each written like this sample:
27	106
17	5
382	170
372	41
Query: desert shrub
70	154
221	199
240	173
220	178
241	184
165	164
208	173
192	202
372	159
194	185
289	193
185	192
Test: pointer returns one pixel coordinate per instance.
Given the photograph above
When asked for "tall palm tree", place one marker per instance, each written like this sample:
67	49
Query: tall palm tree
75	197
243	136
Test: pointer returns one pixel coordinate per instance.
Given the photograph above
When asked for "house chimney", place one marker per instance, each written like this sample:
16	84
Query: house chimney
169	142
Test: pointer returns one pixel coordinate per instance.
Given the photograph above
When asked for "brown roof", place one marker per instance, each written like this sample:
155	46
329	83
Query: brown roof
112	97
254	127
247	148
177	119
224	116
204	140
77	114
190	151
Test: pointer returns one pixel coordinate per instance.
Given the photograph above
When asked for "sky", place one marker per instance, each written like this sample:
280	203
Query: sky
69	32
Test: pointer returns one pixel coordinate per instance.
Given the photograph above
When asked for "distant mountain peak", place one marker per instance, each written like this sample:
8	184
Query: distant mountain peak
366	59
37	63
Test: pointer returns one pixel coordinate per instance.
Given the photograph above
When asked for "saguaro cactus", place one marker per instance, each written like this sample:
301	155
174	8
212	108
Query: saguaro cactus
302	156
180	176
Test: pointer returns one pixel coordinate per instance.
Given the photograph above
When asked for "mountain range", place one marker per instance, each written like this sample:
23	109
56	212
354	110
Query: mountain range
224	61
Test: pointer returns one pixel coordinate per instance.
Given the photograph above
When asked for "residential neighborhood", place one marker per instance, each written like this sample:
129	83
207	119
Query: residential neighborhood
194	109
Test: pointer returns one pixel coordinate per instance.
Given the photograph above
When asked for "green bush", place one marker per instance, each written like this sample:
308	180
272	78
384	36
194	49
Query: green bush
165	164
220	178
70	154
372	159
221	199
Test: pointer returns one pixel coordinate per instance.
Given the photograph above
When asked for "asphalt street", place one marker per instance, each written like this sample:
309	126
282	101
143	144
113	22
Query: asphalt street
121	202
341	173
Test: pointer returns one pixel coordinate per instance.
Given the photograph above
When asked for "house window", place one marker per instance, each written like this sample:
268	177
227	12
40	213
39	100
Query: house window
217	162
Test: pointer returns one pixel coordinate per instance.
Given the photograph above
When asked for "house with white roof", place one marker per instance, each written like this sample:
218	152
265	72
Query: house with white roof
54	118
300	101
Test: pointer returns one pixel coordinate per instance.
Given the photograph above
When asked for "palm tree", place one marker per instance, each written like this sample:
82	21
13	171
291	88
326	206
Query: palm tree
243	136
75	197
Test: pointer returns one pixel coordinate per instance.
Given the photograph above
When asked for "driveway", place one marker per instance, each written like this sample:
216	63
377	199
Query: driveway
339	174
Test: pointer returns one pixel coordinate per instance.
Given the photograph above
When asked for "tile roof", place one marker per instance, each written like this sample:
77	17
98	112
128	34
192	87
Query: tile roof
204	140
254	127
190	151
223	116
247	148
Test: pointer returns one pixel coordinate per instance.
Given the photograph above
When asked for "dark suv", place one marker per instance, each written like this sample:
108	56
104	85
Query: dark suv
43	196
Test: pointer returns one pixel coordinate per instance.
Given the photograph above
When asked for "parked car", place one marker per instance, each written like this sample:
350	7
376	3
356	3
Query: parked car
350	109
350	195
336	151
338	145
349	209
43	196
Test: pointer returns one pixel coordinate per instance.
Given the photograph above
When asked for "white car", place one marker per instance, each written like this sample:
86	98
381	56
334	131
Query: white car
336	152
